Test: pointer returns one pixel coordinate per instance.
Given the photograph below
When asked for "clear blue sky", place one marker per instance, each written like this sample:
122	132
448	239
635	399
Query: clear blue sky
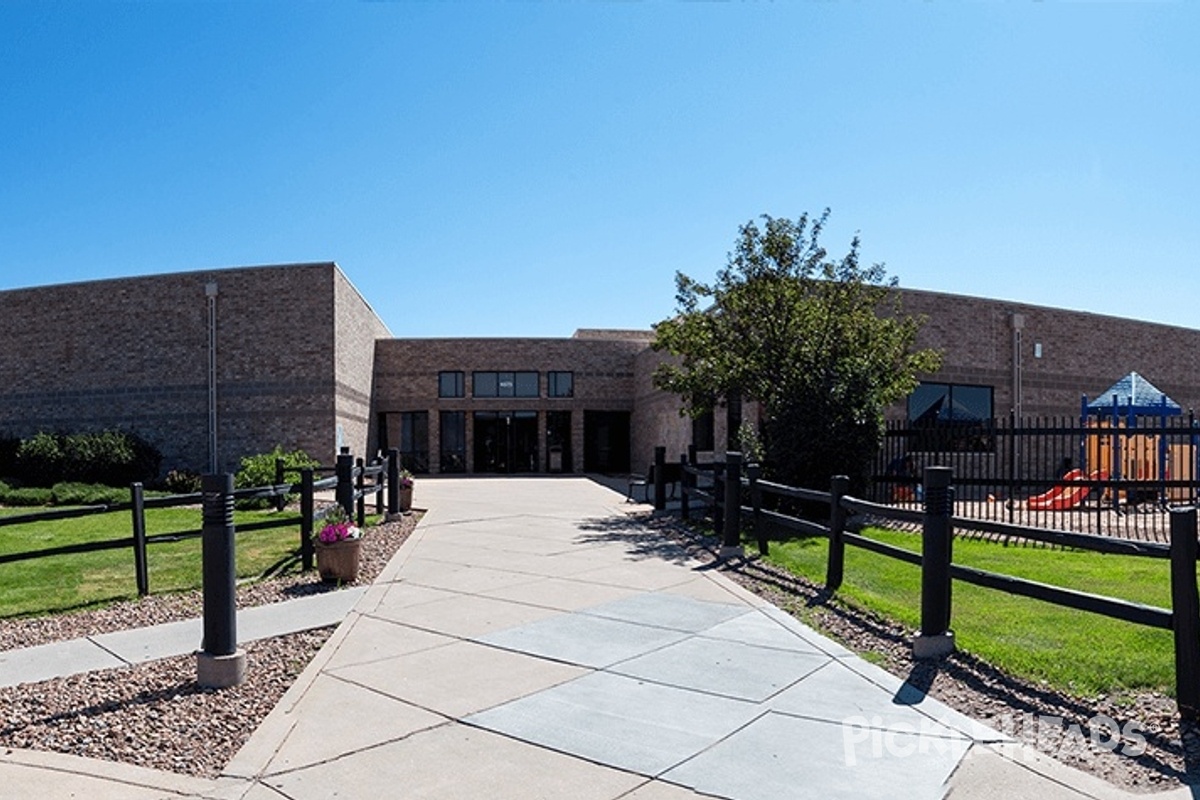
529	168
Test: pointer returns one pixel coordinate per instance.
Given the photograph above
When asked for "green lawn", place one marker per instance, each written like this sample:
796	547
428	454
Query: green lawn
62	583
1071	650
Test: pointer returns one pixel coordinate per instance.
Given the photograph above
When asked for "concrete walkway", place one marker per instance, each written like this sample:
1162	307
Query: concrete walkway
532	640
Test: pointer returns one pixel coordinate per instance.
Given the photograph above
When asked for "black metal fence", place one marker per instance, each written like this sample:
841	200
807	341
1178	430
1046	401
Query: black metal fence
1084	474
352	481
737	502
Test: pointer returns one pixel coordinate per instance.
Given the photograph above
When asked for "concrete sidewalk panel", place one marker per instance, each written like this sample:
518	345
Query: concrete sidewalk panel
43	662
729	669
378	639
150	644
300	614
582	639
561	594
849	767
621	722
760	630
999	772
472	580
665	610
839	695
648	575
49	776
460	678
455	762
332	721
465	615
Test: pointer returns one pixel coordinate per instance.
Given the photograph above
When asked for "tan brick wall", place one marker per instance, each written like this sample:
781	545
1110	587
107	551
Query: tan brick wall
356	330
1082	353
132	353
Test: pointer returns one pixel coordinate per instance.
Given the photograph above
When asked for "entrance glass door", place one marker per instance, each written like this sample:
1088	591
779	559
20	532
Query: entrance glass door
506	441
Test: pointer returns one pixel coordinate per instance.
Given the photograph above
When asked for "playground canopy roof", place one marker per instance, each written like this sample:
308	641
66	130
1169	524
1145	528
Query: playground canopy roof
1134	390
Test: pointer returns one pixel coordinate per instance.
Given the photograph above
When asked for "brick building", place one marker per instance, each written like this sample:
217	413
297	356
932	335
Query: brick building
293	350
297	357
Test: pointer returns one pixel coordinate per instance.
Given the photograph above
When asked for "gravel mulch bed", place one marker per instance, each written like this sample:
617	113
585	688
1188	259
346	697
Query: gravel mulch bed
1074	730
156	715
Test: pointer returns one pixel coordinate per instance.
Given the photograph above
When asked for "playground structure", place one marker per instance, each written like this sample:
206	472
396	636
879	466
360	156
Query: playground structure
1124	456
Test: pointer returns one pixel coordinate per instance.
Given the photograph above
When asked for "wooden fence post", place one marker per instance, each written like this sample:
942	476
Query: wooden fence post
1185	612
280	500
307	523
345	482
360	505
753	473
731	544
685	483
377	464
839	487
660	478
935	638
137	502
393	482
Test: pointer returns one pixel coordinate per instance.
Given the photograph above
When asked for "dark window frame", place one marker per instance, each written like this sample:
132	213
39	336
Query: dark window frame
459	383
554	380
514	378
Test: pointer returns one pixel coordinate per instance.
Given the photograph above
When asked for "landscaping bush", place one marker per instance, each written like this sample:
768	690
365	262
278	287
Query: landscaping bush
40	460
8	454
111	458
182	481
87	494
27	496
259	470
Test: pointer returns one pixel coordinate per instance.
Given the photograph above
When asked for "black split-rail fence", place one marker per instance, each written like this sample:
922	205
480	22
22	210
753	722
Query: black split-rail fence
351	479
737	498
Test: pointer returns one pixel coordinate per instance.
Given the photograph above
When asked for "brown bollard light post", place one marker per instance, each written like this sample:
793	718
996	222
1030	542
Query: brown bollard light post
935	638
220	663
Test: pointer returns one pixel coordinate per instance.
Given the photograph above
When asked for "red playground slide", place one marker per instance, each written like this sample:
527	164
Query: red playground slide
1064	497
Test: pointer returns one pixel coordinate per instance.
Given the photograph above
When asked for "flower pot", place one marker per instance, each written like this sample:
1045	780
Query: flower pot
406	498
338	561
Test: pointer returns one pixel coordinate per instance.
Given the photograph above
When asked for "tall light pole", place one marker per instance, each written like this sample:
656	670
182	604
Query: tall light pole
210	292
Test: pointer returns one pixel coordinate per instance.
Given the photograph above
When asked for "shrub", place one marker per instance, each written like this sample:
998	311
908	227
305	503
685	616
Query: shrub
111	458
87	494
8	454
259	470
182	481
40	459
28	496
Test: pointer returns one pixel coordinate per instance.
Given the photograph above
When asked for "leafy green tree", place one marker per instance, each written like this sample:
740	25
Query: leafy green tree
822	345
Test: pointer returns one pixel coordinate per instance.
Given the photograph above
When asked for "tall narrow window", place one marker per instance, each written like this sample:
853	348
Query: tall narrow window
414	440
450	384
453	441
560	384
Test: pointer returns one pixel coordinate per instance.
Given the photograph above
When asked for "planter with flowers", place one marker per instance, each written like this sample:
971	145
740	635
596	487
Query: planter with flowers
406	489
338	547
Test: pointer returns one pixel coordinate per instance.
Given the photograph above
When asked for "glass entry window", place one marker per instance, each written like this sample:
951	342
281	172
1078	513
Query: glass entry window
414	440
504	384
506	441
558	441
453	441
